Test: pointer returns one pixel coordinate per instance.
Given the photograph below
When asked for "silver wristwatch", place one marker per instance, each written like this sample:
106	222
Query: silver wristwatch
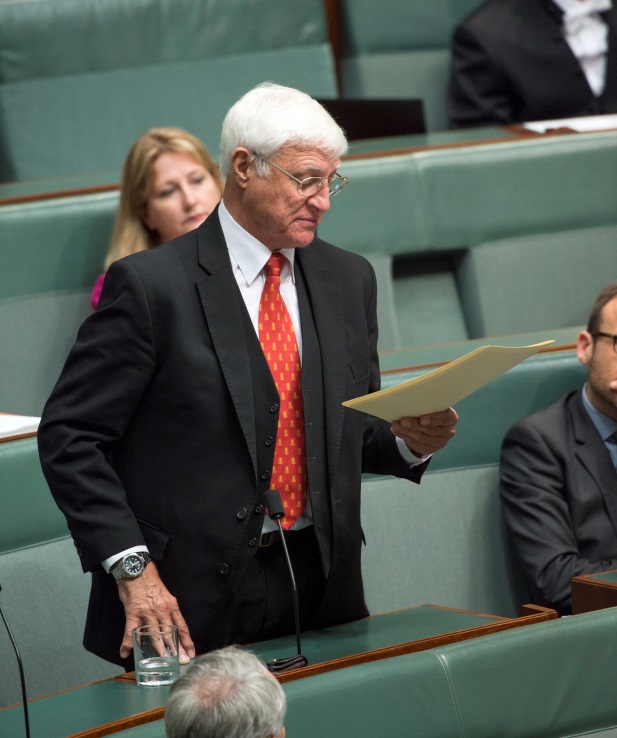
131	565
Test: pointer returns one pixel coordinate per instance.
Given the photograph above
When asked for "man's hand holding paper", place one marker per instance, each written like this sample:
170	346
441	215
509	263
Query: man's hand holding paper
428	433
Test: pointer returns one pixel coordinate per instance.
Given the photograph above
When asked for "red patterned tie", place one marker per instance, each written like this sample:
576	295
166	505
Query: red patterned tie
278	341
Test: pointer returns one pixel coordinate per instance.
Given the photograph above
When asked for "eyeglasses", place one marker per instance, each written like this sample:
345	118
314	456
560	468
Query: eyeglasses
311	185
612	336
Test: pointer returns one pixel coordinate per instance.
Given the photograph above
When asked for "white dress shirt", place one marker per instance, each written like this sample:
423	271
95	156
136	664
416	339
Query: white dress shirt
586	33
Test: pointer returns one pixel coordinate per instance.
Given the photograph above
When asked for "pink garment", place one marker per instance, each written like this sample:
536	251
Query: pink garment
96	290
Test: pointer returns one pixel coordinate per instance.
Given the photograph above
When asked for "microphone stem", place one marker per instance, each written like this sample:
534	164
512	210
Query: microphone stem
21	672
293	587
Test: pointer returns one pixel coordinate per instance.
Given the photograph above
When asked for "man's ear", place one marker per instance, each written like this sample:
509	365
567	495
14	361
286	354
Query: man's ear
241	165
584	347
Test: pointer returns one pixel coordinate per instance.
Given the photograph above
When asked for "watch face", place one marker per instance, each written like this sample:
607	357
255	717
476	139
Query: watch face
132	565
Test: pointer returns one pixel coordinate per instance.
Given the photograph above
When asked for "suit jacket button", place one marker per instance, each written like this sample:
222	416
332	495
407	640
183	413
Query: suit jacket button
259	509
241	513
252	542
224	568
274	408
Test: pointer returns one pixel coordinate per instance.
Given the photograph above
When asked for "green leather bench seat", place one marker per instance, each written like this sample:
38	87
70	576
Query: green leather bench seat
553	679
51	252
444	541
550	680
84	708
120	67
44	591
399	48
482	240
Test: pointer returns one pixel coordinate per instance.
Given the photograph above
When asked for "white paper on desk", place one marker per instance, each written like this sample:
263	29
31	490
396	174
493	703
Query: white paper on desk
584	124
445	386
16	425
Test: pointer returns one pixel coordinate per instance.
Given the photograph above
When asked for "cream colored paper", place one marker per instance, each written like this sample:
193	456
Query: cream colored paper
445	386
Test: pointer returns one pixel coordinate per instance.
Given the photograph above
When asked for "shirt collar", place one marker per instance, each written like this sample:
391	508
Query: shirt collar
605	426
574	8
249	253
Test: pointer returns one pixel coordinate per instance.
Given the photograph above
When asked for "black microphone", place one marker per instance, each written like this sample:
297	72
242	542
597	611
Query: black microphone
21	670
276	512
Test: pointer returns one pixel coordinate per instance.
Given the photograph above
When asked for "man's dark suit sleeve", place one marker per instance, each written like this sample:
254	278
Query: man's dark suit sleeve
537	516
478	91
101	385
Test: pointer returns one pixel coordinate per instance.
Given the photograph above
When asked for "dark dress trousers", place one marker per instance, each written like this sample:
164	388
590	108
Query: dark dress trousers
160	428
559	494
511	63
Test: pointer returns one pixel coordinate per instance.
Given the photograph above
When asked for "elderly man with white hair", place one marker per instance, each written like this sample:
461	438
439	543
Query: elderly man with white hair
214	370
227	693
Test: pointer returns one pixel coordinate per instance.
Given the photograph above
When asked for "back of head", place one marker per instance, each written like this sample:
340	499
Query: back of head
227	693
270	116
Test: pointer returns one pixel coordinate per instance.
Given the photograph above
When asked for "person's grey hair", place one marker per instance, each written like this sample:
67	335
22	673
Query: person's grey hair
228	693
271	116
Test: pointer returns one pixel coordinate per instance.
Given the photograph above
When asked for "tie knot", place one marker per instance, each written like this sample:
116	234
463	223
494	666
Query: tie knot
274	265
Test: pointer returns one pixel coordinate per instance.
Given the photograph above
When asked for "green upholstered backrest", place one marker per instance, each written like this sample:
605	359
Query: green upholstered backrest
549	679
51	252
441	542
117	68
536	281
483	239
552	679
400	48
486	192
457	197
402	696
44	591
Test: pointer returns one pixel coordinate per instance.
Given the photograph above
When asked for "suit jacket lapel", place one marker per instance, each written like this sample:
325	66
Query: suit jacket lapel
592	453
610	91
324	288
223	309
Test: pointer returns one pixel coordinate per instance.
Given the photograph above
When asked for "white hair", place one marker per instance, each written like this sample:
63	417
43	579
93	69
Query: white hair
227	693
271	116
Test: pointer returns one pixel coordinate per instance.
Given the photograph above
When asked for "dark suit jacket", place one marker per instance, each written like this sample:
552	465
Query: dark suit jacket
511	63
559	493
157	430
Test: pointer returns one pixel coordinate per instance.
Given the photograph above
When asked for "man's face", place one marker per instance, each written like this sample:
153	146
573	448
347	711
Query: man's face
274	211
601	361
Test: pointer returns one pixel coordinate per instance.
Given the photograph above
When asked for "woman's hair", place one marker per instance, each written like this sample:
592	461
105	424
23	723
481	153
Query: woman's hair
130	234
271	116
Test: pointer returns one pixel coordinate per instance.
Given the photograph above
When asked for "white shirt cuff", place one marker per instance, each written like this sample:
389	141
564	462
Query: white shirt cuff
108	563
408	456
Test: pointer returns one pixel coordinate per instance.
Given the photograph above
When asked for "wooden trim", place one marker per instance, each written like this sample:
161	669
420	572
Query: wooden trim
590	593
52	195
333	20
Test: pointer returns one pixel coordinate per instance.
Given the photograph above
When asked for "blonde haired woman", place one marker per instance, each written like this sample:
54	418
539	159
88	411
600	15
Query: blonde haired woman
170	185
